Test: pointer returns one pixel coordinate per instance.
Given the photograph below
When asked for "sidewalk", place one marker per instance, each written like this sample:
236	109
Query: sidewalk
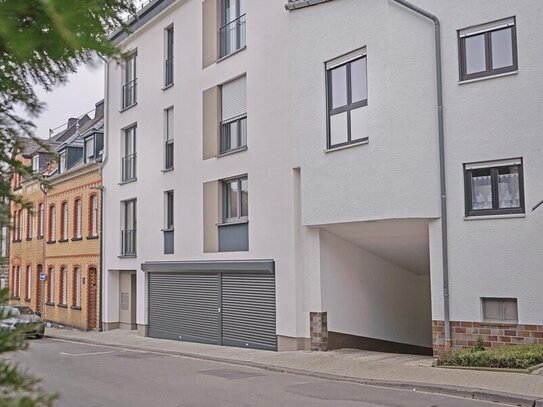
373	368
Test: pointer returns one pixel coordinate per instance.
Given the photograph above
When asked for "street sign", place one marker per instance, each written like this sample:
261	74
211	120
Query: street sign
43	276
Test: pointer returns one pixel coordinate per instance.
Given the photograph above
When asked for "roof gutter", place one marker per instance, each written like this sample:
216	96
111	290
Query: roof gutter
441	138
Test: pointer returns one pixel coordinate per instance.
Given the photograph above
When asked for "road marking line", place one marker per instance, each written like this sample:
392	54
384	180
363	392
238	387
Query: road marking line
88	353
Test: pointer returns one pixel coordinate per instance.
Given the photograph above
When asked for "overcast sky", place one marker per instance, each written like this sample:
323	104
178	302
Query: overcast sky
73	99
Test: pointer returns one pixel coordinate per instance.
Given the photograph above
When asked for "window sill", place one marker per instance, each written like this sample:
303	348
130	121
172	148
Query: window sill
233	222
496	323
230	152
63	240
167	230
39	238
166	170
51	241
62	306
50	304
355	144
77	239
16	298
484	78
28	239
76	307
128	181
27	299
231	54
92	237
504	216
16	241
124	109
127	256
166	87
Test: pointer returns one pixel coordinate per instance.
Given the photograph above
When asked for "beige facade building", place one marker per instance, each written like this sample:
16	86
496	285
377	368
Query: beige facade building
56	238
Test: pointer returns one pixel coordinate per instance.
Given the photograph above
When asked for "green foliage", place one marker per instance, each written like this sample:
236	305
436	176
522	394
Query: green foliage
479	345
17	389
510	357
41	41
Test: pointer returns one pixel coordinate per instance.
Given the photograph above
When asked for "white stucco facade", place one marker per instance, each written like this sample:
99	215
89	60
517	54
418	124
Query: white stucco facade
355	232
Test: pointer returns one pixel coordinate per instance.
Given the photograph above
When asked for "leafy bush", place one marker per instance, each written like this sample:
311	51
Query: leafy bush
511	357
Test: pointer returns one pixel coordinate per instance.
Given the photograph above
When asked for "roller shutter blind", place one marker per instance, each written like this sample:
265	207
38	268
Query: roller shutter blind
234	98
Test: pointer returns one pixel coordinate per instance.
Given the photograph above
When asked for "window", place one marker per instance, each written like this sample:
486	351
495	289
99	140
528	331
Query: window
36	163
232	31
488	49
76	291
128	228
89	149
62	162
52	223
4	242
168	143
236	194
78	213
51	286
28	283
64	221
500	310
129	82
168	222
347	96
17	226
63	288
168	63
129	155
93	227
494	188
29	223
16	285
40	221
233	131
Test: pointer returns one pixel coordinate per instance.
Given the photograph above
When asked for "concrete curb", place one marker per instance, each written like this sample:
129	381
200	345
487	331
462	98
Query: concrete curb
457	391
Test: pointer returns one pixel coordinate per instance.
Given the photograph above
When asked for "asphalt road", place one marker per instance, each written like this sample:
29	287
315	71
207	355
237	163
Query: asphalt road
95	376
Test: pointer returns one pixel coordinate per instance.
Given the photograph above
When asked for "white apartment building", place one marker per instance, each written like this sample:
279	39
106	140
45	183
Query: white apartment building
365	127
272	174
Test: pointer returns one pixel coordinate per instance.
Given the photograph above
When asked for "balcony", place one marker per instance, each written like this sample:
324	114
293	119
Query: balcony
128	170
128	242
232	36
130	93
233	134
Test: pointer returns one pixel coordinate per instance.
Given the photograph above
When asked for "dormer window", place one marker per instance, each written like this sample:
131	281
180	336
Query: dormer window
62	162
36	163
89	149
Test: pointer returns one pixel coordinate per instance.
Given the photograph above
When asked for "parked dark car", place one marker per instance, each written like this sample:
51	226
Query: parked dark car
22	317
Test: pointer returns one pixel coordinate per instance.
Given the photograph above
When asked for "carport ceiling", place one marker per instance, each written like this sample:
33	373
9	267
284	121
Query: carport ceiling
403	242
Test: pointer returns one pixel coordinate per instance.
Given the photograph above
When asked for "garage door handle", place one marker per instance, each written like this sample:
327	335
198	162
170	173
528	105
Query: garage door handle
219	309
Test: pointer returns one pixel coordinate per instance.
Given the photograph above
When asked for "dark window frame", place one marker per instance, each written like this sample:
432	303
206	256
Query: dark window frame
489	71
169	210
500	302
330	111
129	235
169	149
496	210
168	56
129	95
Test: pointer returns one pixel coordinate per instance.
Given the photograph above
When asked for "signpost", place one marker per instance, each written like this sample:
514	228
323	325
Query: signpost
43	277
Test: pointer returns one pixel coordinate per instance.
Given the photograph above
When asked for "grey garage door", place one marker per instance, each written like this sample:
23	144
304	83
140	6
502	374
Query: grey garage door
184	307
221	308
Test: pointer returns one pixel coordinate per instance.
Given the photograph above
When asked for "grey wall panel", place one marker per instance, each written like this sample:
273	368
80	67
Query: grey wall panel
184	307
234	237
248	311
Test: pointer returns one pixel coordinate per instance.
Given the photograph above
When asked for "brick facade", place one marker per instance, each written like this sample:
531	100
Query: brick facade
318	330
464	334
73	253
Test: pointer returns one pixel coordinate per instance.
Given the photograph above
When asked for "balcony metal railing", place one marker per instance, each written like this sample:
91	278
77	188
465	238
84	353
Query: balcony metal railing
128	242
168	76
233	133
168	153
232	36
130	93
128	170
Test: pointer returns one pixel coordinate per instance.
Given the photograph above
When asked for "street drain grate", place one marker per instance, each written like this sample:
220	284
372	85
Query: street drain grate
139	355
230	374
